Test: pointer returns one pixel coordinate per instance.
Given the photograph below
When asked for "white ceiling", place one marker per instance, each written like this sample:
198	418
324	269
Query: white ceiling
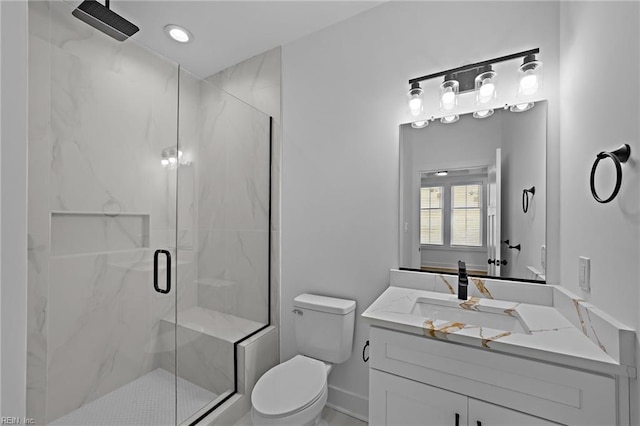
228	32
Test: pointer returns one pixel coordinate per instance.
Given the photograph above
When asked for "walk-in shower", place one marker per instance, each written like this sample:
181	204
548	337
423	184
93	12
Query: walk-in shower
149	242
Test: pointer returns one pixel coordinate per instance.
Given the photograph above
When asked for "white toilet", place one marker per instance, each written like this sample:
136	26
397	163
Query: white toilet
294	392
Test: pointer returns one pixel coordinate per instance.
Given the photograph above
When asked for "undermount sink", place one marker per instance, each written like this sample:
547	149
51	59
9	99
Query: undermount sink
467	313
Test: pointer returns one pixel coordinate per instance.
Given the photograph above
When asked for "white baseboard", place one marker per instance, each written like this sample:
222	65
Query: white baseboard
349	403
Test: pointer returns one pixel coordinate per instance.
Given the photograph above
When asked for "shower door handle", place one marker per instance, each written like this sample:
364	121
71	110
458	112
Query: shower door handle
155	271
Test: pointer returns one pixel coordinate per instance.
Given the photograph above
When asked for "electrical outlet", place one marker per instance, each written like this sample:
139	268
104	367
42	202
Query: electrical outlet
543	257
584	273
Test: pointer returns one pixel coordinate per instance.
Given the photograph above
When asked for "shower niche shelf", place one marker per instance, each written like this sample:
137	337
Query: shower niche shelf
74	233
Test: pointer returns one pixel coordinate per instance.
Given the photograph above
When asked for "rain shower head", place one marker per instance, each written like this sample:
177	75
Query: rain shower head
105	20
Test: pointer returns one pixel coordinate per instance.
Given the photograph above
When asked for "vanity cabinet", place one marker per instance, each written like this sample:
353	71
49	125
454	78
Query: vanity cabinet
399	401
419	380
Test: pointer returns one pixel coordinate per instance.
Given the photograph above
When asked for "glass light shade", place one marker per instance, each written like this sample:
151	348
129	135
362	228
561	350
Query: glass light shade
521	107
415	100
449	95
483	113
420	124
485	85
530	78
164	162
450	119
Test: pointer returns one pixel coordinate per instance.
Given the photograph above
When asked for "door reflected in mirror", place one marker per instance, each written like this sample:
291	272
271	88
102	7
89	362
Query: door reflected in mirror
463	192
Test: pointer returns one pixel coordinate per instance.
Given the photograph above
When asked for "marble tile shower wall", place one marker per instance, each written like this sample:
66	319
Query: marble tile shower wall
257	81
233	209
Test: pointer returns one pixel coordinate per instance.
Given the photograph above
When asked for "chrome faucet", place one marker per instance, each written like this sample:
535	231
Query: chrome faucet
463	280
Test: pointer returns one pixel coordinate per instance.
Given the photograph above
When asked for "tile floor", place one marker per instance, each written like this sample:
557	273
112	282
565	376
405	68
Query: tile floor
331	416
147	401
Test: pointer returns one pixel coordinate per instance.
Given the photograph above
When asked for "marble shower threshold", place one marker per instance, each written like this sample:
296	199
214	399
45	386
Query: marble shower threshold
146	401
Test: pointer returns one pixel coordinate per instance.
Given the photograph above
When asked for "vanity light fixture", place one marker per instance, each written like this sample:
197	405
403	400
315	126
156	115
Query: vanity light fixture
178	33
415	99
448	119
483	113
420	124
479	78
521	107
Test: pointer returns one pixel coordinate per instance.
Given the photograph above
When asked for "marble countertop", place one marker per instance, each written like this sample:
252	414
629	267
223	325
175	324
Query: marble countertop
551	336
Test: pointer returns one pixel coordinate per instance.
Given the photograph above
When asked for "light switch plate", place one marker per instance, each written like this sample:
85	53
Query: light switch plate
584	273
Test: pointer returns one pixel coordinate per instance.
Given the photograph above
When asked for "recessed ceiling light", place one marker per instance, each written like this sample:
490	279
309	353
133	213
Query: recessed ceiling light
178	33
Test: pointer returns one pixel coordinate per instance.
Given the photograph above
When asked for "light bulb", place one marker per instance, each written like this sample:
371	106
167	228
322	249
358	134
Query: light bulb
487	88
483	113
449	119
449	94
173	160
164	162
179	154
415	105
448	99
441	173
485	85
530	76
529	84
521	107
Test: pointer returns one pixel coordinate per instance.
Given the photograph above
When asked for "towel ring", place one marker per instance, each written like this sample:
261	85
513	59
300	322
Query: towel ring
620	155
525	197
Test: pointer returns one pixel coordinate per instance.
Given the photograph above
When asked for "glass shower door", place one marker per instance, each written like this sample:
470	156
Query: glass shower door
102	319
223	240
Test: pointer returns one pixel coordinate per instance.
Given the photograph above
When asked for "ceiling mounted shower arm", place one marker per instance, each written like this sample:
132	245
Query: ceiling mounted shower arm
476	65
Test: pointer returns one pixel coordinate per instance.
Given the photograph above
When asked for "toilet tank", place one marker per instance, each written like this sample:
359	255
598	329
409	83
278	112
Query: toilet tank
324	327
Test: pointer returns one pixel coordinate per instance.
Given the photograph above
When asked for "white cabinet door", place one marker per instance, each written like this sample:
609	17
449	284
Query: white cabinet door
484	414
396	401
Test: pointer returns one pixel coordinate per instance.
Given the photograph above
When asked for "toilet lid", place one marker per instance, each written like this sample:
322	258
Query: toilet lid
289	387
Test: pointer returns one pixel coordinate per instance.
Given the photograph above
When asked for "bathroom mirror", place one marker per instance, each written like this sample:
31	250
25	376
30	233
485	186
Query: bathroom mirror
475	190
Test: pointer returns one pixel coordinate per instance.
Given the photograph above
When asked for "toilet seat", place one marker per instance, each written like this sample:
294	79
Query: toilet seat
290	387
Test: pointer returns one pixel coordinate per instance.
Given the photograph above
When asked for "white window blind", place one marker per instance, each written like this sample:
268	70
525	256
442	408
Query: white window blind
466	215
431	229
